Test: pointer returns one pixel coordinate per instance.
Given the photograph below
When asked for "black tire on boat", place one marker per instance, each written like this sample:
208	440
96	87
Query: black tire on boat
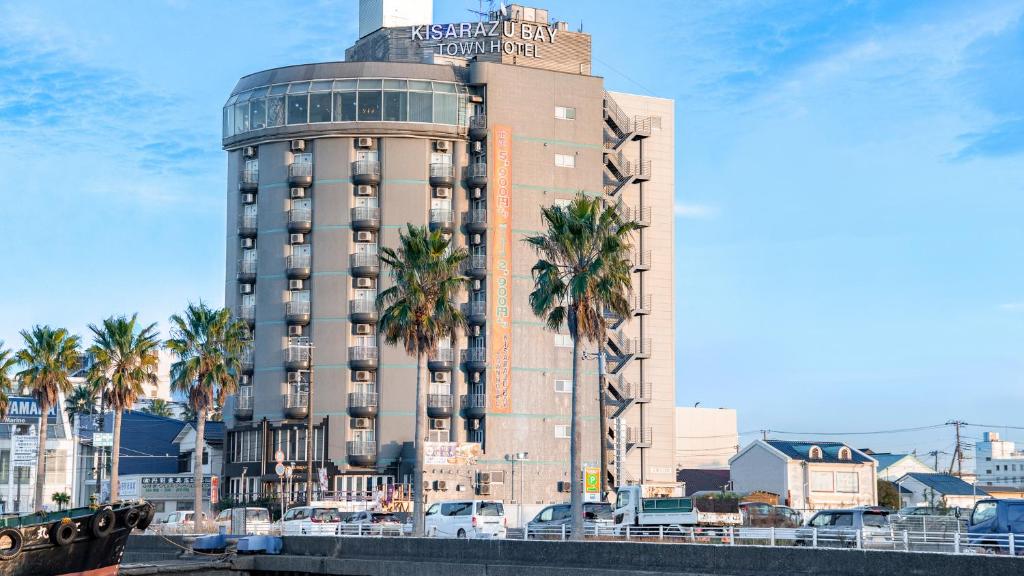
131	519
16	542
148	514
102	523
63	533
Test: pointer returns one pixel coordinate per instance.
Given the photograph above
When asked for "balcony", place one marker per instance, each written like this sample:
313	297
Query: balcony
478	127
641	261
246	271
364	265
300	221
362	357
366	172
439	405
248	180
475	220
475	359
243	405
296	405
366	218
475	313
362	404
247	314
642	171
475	266
642	305
640	216
362	311
474	405
476	175
245	358
441	219
247	225
441	360
298	266
296	357
361	453
300	174
442	175
638	437
297	313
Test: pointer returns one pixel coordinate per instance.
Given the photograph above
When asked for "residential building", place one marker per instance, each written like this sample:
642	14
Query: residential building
893	466
998	461
19	449
938	490
807	475
705	437
470	128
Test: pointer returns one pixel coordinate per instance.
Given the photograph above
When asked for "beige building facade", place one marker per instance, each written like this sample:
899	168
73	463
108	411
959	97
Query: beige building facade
328	162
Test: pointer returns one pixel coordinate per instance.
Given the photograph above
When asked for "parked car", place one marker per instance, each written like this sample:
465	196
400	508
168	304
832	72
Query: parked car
367	522
311	520
244	520
840	528
178	522
549	520
466	519
916	511
993	521
761	515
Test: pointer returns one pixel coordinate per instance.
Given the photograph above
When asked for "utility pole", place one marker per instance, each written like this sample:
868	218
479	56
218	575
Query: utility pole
309	431
958	452
764	435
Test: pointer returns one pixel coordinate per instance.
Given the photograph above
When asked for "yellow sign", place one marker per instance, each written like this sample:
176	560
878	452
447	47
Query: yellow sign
591	480
499	367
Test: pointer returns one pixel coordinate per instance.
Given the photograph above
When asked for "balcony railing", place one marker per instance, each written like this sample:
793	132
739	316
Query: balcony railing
245	400
247	312
642	304
474	405
476	265
475	220
641	216
475	358
439	400
642	260
248	180
247	269
478	127
245	358
361	448
300	174
366	171
362	353
366	218
442	174
362	399
475	312
476	174
296	400
298	261
247	225
639	436
297	354
440	218
300	220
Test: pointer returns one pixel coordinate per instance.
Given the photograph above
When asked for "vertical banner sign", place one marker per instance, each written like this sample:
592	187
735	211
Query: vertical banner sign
499	295
214	490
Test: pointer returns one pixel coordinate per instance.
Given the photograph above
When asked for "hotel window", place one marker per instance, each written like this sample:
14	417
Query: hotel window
562	431
846	482
563	341
565	160
437	436
563	386
565	113
298	103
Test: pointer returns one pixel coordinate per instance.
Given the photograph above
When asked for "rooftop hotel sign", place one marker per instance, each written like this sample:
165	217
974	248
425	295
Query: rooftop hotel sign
467	39
499	296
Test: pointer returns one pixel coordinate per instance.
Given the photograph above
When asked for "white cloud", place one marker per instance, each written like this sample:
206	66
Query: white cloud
1012	307
695	211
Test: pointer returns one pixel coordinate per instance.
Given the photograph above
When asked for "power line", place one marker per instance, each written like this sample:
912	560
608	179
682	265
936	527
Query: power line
861	433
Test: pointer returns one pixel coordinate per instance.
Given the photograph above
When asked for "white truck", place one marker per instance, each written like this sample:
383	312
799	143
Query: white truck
632	509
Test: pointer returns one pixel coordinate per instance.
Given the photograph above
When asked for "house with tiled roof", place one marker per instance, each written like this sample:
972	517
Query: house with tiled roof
808	475
893	466
938	490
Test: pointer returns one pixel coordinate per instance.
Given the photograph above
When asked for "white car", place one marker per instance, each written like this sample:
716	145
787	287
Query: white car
466	519
371	523
179	522
311	521
254	521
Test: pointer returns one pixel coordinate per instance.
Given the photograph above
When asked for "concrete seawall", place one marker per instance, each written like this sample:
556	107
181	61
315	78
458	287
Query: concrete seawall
430	557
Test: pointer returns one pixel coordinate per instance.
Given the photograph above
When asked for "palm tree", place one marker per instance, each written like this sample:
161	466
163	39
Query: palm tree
81	400
419	310
125	357
584	268
208	344
158	407
49	357
7	362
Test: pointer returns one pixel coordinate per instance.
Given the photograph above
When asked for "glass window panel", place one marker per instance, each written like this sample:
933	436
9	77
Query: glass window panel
445	109
244	97
242	117
257	114
344	84
229	122
444	87
394	84
395	106
260	92
420	85
278	89
369	84
297	109
275	111
345	107
369	104
232	100
298	88
420	106
320	86
320	107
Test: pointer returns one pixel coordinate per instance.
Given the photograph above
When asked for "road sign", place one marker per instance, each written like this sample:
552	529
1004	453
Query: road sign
102	439
26	448
591	484
279	469
279	456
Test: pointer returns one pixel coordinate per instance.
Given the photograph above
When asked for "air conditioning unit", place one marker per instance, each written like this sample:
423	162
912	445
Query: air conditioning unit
249	151
497	477
361	375
478	147
364	282
477	193
475	99
475	331
248	198
438	424
441	192
298	145
364	190
476	239
244	380
440	376
364	236
361	423
477	284
473	424
364	142
297	193
564	486
295	284
484	489
296	238
295	331
440	485
248	243
245	288
363	329
442	146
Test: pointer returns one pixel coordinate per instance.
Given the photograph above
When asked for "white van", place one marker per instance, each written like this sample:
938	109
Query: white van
466	519
311	521
244	520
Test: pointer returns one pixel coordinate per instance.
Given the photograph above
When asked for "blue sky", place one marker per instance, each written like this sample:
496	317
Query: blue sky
849	206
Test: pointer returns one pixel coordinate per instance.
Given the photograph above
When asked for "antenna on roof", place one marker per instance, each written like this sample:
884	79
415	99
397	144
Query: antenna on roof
481	13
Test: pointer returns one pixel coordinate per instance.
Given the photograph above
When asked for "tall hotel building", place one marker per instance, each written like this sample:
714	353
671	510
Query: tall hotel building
469	128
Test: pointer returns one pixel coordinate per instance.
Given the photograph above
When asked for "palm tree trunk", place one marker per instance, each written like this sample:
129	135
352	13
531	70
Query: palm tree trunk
44	410
418	440
198	472
575	442
115	456
602	422
458	424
